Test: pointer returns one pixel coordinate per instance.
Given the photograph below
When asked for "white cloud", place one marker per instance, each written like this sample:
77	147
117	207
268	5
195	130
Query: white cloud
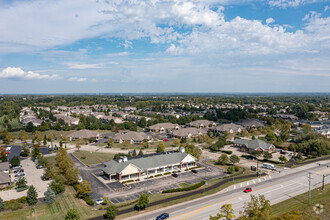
326	8
270	20
291	3
77	79
120	54
18	73
84	65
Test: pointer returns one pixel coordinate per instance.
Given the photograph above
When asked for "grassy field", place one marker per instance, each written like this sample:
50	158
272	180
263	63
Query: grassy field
55	211
88	157
300	203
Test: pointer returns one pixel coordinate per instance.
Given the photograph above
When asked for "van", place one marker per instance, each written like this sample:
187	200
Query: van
268	166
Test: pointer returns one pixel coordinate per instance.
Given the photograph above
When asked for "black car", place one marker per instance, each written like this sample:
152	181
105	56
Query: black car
163	216
194	171
283	152
175	175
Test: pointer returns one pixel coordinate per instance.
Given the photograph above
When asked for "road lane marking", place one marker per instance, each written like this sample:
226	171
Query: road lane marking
324	171
247	183
270	177
198	210
259	180
241	184
254	182
234	186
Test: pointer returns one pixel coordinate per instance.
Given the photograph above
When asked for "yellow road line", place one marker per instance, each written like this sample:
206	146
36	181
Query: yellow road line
327	170
196	211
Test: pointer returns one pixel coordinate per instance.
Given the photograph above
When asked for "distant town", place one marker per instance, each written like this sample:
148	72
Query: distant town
109	155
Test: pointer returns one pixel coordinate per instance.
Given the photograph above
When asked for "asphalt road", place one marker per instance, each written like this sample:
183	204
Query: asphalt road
277	188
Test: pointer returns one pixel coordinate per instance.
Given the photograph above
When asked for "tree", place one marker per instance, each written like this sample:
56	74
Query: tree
223	159
61	143
142	202
32	196
134	153
271	136
267	155
25	151
49	196
257	208
282	159
83	189
110	142
293	215
29	127
105	201
245	133
145	144
143	122
111	211
285	131
140	152
21	183
78	146
37	136
15	161
23	135
226	211
35	152
193	150
45	140
126	144
230	169
72	214
160	147
234	159
2	205
176	141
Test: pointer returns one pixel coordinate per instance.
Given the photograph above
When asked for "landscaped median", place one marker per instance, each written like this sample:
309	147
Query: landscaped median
188	188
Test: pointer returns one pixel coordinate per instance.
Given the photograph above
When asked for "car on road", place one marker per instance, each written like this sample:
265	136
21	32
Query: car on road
249	189
163	216
194	171
165	140
99	201
80	179
175	175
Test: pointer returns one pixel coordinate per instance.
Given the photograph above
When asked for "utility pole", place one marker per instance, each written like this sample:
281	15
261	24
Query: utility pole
309	193
323	182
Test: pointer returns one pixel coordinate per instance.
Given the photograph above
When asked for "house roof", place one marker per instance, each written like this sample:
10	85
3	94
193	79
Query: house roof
15	150
143	163
253	144
184	132
4	178
228	127
200	122
131	135
163	125
4	166
252	123
84	134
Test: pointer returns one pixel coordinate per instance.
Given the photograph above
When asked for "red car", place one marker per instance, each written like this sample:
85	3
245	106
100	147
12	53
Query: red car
248	190
165	140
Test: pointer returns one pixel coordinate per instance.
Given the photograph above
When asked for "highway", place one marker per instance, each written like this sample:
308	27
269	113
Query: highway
276	187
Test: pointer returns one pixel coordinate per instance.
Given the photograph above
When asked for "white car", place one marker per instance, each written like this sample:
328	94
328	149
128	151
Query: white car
80	179
99	201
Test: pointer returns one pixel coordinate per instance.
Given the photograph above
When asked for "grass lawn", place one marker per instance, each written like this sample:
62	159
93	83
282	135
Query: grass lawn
300	203
89	158
57	210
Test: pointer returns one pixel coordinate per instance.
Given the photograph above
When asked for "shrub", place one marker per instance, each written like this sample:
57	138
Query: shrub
75	186
157	175
57	187
88	200
151	177
15	204
22	189
127	181
227	151
167	173
236	168
188	188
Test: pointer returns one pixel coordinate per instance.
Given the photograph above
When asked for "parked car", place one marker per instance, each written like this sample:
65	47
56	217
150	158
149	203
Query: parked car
16	179
19	174
194	171
17	167
99	201
175	175
249	189
80	179
165	140
290	154
39	166
21	170
283	152
163	216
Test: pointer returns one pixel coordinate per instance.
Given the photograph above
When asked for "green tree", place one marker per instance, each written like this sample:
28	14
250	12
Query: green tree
25	151
142	202
234	159
2	205
267	155
176	141
160	147
140	152
230	169
23	135
145	144
49	196
35	152
83	189
226	212
245	133
72	214
126	144
29	127
111	211
193	150
282	159
37	136
285	131
110	142
271	137
257	208
32	196
143	122
105	201
134	153
15	161
45	140
21	183
78	146
223	159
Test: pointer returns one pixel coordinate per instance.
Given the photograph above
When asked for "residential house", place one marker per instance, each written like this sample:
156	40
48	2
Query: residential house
107	119
132	137
141	168
324	132
252	123
188	132
286	116
67	119
202	124
252	145
4	179
230	128
164	127
84	134
4	167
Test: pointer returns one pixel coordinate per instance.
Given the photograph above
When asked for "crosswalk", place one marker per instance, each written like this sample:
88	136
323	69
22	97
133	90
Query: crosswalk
248	183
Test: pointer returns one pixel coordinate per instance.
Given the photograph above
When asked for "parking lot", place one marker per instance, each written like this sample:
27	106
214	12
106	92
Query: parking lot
32	176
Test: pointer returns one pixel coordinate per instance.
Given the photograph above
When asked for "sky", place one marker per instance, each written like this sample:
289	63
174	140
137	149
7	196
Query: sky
155	46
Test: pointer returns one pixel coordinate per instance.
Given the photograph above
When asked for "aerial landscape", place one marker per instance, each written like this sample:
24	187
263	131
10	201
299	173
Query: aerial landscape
165	109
